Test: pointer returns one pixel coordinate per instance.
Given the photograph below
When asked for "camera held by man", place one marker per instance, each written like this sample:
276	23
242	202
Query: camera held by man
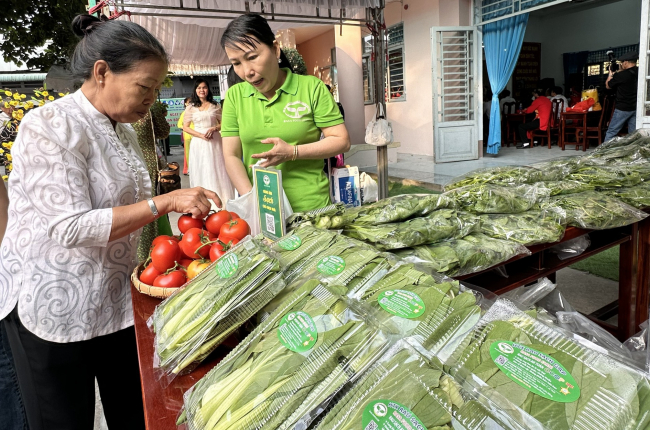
623	78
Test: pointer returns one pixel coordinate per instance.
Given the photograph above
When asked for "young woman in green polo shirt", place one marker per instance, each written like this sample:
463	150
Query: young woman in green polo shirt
277	116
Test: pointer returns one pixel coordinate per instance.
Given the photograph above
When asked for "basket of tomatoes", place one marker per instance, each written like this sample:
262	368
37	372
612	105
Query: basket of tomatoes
175	260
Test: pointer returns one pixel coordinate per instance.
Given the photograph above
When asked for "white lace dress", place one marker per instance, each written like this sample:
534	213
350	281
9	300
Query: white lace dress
208	169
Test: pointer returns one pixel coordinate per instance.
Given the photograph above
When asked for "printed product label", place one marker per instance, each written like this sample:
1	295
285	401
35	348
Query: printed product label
535	371
297	332
402	303
290	243
387	415
332	265
227	266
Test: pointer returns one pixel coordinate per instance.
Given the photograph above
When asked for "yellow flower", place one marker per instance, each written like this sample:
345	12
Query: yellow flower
61	95
7	105
18	114
5	178
45	93
16	96
13	103
23	96
9	158
10	167
50	98
8	93
2	151
41	103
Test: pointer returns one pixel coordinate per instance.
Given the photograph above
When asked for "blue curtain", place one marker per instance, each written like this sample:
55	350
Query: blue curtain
502	42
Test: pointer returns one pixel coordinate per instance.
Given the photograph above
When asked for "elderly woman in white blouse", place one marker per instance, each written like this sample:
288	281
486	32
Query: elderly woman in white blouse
79	196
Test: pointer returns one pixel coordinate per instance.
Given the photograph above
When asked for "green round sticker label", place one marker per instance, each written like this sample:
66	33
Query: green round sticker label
332	265
402	303
535	371
388	415
290	243
297	331
227	265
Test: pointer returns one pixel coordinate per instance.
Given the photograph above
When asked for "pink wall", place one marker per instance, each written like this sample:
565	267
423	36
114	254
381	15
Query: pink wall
317	54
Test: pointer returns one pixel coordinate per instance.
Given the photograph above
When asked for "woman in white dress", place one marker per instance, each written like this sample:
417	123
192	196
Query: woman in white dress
206	154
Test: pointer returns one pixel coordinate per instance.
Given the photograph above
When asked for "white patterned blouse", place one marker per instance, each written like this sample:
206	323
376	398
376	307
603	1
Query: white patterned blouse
70	169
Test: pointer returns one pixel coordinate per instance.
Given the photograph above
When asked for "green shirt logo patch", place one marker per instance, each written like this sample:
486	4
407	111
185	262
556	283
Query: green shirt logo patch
296	110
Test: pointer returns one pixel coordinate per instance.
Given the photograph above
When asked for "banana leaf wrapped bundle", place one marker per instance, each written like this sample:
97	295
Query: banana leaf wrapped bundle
567	187
289	366
473	253
528	228
403	390
637	196
606	176
498	199
543	378
598	211
439	225
431	310
195	320
391	209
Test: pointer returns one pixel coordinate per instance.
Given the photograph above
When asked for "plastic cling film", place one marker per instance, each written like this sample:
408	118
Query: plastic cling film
190	323
439	225
594	210
525	366
527	228
265	384
505	175
527	295
402	391
473	253
490	198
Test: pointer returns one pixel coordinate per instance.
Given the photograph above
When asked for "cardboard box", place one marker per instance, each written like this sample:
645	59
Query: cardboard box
344	184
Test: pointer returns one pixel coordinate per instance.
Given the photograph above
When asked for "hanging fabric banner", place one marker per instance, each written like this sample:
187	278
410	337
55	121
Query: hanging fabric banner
502	42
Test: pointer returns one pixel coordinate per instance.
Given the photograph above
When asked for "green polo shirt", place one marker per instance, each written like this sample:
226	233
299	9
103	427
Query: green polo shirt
296	114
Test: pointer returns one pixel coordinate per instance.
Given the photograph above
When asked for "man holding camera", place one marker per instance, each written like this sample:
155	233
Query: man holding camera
625	82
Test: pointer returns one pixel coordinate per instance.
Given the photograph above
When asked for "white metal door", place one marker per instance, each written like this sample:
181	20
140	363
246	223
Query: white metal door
455	90
643	101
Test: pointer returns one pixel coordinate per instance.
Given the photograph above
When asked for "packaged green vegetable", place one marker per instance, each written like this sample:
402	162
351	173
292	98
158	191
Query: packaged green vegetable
637	196
543	378
639	151
297	250
489	198
567	187
594	210
527	228
504	175
346	262
428	308
619	142
290	366
441	224
606	176
299	218
391	209
554	170
195	320
402	391
473	253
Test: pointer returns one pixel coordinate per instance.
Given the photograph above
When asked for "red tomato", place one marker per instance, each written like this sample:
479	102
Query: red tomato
218	249
163	238
185	262
173	279
214	222
186	222
192	240
165	255
149	274
235	229
233	215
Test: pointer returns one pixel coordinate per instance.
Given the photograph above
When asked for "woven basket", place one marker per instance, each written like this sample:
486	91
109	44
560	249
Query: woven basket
158	292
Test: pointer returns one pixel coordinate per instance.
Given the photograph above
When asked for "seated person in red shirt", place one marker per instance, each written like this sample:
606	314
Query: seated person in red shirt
542	108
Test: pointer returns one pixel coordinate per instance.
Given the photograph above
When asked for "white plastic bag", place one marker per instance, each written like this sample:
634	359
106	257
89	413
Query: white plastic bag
245	207
378	131
369	188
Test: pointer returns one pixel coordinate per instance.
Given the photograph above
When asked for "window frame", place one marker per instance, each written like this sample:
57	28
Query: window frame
367	57
391	48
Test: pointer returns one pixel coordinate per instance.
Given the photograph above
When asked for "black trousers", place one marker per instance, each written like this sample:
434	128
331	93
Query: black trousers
57	380
523	129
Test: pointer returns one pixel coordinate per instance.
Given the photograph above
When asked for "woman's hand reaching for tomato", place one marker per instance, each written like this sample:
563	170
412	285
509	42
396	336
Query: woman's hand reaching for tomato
280	152
194	201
